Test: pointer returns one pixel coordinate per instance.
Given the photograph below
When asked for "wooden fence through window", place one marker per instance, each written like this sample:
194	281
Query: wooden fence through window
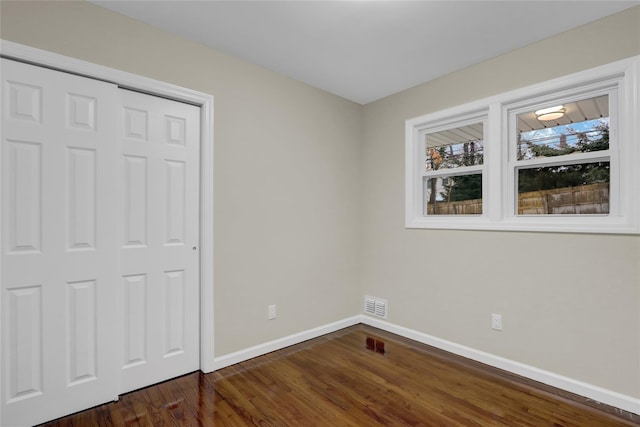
583	200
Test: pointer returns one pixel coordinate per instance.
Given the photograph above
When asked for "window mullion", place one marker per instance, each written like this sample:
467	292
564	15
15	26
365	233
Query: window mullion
493	183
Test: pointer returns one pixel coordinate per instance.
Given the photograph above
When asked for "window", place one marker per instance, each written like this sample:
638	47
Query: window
558	156
452	180
562	157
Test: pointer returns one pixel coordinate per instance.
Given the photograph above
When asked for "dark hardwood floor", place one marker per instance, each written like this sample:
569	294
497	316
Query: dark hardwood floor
336	380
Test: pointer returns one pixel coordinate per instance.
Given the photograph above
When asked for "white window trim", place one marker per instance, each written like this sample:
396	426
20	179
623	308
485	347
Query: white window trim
498	177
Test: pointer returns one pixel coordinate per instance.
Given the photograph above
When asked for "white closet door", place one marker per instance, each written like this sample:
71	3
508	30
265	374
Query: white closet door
58	260
159	239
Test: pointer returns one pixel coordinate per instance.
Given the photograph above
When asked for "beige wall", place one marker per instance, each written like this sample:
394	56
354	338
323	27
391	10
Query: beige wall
309	204
570	303
286	169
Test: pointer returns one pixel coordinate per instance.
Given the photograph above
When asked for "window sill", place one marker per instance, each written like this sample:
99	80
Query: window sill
554	224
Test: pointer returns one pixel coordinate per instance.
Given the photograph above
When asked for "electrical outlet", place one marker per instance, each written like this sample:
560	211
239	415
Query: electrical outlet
271	312
496	322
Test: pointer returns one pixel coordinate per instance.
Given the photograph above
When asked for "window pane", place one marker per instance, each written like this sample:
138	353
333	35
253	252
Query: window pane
575	127
581	189
452	148
453	195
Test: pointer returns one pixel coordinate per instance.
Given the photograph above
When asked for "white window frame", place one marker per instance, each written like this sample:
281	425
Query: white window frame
620	79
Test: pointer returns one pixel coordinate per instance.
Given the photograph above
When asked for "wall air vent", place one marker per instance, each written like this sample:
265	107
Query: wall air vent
375	307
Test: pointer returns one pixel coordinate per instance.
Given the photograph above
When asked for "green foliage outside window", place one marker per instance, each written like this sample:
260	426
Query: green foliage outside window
460	187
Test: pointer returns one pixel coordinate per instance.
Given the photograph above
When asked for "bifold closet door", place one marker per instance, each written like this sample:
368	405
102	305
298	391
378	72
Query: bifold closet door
159	243
58	238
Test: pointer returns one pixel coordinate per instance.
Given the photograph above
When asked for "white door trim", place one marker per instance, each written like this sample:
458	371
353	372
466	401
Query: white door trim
155	87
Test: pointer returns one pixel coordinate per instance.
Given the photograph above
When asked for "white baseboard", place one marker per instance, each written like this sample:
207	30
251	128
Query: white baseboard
590	391
268	347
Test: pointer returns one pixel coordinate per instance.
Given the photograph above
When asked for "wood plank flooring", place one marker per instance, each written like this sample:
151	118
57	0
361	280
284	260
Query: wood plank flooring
336	381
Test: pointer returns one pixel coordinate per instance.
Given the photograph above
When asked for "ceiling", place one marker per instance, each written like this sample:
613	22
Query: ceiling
366	50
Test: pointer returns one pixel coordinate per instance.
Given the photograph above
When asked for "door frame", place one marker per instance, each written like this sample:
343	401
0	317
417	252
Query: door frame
23	53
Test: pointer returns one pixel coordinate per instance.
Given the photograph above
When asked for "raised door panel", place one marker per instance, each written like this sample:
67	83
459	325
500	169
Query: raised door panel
24	102
23	193
134	204
175	313
81	196
82	320
135	320
175	202
24	339
81	112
